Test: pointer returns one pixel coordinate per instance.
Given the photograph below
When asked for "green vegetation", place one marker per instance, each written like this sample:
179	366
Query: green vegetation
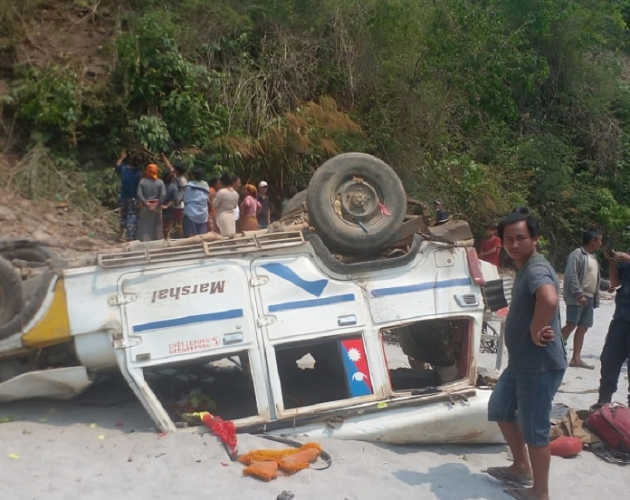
484	103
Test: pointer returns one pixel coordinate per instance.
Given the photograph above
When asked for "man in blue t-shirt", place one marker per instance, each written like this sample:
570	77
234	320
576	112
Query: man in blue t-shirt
616	349
536	361
130	175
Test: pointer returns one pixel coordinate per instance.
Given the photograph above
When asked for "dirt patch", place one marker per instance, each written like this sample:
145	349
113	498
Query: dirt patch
66	33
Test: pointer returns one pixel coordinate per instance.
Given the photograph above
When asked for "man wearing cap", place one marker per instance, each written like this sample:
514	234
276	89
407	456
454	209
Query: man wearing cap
264	215
616	349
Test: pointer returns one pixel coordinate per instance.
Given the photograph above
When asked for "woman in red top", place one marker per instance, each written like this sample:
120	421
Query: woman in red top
491	245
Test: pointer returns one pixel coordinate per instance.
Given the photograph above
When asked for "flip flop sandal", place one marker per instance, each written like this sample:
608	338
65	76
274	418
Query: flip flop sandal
505	476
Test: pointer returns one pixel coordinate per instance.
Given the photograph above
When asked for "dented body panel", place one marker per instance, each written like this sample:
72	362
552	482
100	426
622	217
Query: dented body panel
262	307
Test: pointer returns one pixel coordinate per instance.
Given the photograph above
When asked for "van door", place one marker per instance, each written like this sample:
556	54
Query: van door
181	315
296	298
313	330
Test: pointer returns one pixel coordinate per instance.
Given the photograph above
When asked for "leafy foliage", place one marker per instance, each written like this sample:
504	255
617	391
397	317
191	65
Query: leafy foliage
484	103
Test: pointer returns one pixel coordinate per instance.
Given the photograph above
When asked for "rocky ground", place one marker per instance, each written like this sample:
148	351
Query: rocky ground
69	231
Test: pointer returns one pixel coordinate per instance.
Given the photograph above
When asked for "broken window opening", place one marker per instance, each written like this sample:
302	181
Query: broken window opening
427	353
323	371
223	387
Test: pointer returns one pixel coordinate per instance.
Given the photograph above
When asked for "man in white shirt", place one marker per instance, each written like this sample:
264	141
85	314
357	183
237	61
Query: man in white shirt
582	284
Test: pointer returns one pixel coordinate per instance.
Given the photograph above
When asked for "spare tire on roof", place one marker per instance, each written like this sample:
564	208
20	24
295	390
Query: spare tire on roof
356	203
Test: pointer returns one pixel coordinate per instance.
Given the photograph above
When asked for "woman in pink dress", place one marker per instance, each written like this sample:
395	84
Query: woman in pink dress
250	207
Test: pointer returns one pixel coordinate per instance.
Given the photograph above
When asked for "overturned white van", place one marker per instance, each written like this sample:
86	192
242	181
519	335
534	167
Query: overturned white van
280	334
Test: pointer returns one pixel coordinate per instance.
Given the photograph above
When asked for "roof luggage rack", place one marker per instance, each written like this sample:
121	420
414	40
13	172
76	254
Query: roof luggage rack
228	246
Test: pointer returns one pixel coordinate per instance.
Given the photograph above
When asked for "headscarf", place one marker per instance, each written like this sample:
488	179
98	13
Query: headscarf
251	189
151	172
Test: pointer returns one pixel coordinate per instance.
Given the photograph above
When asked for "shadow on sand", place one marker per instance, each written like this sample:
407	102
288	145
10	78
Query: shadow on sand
452	481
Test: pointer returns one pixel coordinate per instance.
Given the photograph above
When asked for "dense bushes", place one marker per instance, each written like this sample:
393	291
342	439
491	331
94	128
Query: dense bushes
484	103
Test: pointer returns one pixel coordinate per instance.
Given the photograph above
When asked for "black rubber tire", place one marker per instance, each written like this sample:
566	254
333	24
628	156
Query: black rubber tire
25	250
11	298
343	236
294	202
29	311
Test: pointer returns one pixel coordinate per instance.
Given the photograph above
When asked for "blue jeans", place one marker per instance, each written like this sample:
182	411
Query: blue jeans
531	393
193	228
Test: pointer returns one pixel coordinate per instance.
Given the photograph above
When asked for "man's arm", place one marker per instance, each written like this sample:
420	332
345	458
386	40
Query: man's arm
575	288
119	161
545	310
614	271
167	163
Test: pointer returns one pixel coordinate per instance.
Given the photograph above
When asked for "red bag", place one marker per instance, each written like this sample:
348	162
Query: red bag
611	423
566	447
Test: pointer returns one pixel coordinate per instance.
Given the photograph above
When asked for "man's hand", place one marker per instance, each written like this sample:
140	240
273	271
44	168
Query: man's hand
542	336
582	301
121	157
620	257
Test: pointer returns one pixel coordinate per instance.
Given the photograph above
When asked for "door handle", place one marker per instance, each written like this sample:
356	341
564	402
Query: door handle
348	320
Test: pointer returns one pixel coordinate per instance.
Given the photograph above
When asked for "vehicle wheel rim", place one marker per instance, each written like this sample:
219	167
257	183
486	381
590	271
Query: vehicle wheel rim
357	200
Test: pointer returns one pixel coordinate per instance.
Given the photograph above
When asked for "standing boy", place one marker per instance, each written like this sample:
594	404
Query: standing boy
536	362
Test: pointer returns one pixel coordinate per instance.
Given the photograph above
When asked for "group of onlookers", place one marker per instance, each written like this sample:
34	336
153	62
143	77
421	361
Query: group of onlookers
174	205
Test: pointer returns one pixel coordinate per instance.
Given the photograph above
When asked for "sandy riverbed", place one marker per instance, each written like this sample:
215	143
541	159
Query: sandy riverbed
77	450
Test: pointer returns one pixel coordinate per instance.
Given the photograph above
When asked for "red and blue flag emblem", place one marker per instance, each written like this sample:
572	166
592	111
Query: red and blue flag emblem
356	367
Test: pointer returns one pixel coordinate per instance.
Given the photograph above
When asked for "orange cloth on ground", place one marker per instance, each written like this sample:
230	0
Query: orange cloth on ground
151	172
288	461
265	470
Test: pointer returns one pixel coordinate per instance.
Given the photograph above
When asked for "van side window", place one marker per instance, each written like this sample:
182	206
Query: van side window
427	353
222	386
322	371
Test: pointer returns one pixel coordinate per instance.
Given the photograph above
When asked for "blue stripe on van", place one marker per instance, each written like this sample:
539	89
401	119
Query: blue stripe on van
188	320
303	304
420	287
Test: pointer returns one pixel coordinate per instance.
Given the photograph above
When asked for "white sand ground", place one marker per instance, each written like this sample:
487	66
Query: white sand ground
62	456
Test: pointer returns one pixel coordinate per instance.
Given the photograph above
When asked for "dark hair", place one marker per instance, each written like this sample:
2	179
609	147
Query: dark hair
228	179
520	214
589	235
293	190
167	176
197	174
491	225
136	159
214	181
180	168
